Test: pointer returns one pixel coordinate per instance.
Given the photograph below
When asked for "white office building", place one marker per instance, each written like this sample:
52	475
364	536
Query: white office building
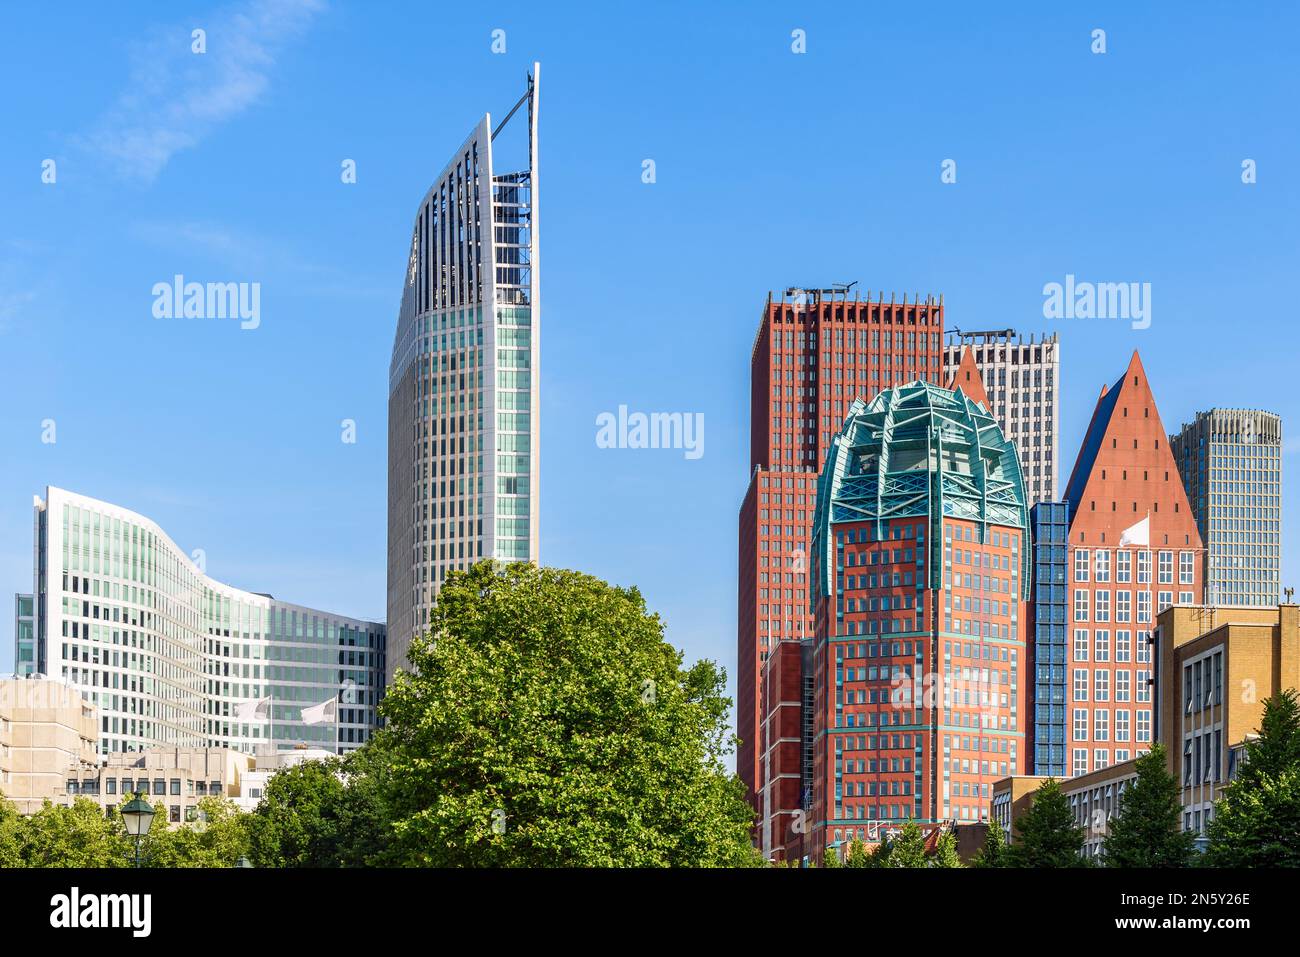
463	392
175	658
1022	379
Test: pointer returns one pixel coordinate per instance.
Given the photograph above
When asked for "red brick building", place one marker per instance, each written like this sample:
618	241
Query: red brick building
1133	550
815	352
920	575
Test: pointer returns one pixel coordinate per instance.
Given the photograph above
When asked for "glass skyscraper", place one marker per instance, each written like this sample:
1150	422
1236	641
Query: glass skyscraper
169	654
463	392
1050	525
1231	465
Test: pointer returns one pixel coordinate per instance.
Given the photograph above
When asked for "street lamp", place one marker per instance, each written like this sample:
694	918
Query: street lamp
243	862
137	815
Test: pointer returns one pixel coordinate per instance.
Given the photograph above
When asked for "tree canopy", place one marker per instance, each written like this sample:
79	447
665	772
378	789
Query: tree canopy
547	722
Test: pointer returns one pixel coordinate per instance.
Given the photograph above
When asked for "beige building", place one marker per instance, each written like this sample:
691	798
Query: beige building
46	729
1218	665
173	780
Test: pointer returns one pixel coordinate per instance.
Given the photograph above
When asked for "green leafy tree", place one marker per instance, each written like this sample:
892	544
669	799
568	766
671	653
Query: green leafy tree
831	858
908	849
1046	835
218	838
546	722
1147	829
76	836
945	852
11	848
1257	822
994	852
858	855
319	814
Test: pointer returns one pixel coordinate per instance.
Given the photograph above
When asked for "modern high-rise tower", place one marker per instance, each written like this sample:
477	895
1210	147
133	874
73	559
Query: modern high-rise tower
463	392
920	575
815	352
1231	464
1022	381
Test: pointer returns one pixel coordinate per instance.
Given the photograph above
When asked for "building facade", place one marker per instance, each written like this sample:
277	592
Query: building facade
921	574
463	429
1049	654
172	780
1218	665
1022	380
814	353
1231	465
46	729
1133	550
24	636
172	657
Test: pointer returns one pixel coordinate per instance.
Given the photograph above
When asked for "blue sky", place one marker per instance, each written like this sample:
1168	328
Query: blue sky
773	169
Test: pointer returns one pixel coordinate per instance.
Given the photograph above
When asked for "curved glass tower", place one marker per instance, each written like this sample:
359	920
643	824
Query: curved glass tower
175	658
920	576
462	407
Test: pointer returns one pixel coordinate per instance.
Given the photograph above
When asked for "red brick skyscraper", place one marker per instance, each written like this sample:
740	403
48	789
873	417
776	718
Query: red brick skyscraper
1134	550
816	350
920	573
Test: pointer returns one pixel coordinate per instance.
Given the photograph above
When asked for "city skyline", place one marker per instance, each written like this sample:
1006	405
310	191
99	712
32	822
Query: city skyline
231	422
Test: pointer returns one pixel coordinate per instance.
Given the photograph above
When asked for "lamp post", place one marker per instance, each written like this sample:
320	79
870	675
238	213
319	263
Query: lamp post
137	815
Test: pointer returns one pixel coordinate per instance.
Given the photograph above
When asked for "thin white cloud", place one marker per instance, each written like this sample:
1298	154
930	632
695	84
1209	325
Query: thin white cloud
175	97
12	304
253	254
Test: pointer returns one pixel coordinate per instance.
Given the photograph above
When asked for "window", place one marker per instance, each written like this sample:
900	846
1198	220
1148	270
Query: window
1144	608
110	785
1165	568
1081	564
1080	684
1123	567
1080	724
1080	761
1101	685
1103	565
1101	725
1121	727
174	814
1103	646
1123	606
1142	688
159	786
1144	568
1080	604
176	786
1081	644
1123	646
1186	570
1103	605
1122	684
1143	726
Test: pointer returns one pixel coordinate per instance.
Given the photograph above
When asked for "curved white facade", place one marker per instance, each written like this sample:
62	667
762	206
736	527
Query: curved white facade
167	652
